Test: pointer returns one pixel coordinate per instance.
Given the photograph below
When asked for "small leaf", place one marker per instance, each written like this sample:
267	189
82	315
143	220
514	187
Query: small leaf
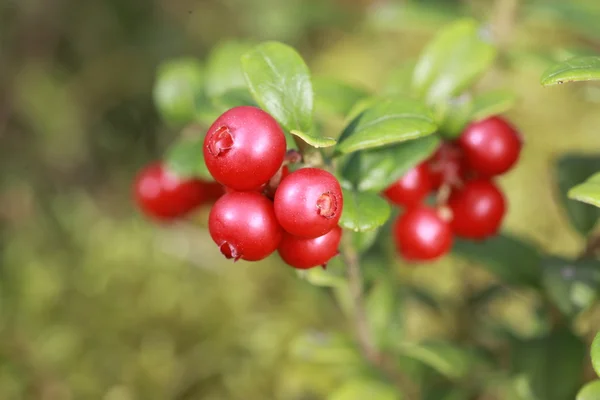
374	170
513	260
451	62
280	82
363	241
455	114
362	389
588	192
590	391
224	68
448	359
387	122
322	277
185	157
574	169
595	352
233	98
363	211
492	103
314	140
572	285
336	97
550	367
576	69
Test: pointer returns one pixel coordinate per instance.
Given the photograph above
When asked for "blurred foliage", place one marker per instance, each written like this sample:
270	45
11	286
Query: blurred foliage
97	303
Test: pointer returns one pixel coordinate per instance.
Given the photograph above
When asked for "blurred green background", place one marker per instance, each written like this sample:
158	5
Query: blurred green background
98	303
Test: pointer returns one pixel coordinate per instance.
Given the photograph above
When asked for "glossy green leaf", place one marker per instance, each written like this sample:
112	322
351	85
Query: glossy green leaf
454	115
224	68
186	157
363	241
336	97
446	358
363	211
362	389
576	69
572	170
494	102
314	140
590	391
587	192
550	367
451	62
178	87
595	352
572	285
512	260
388	122
374	170
280	82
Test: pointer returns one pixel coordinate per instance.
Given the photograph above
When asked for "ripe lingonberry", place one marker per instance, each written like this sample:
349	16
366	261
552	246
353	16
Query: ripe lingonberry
411	188
420	234
244	148
308	202
162	195
304	253
491	146
243	225
478	209
447	166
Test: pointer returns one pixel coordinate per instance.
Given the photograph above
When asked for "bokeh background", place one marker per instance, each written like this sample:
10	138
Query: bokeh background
96	302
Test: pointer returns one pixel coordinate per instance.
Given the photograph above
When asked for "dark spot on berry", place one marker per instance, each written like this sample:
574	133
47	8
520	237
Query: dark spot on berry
229	251
220	141
327	205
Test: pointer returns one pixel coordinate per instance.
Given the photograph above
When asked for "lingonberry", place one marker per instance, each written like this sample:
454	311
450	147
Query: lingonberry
491	146
244	148
420	234
447	166
304	253
162	195
243	225
308	202
477	209
411	188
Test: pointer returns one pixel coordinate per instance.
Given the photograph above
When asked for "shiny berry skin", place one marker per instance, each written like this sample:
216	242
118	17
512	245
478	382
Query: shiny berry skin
411	188
447	166
244	226
162	195
304	253
420	234
308	202
491	146
244	148
477	209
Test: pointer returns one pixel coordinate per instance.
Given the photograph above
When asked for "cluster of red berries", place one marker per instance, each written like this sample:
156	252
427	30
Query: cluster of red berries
470	205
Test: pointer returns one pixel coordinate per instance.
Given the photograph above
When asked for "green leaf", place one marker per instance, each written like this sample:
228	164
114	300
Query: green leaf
550	367
387	122
382	307
185	157
576	69
314	140
178	88
511	259
455	114
280	82
375	170
571	170
595	352
322	277
363	211
446	358
492	103
590	391
362	389
572	285
336	97
233	98
224	68
588	192
324	348
451	62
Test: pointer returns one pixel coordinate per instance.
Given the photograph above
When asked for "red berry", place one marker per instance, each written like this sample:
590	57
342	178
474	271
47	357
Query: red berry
304	253
477	209
411	188
447	166
420	234
491	146
308	202
244	148
162	195
244	226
